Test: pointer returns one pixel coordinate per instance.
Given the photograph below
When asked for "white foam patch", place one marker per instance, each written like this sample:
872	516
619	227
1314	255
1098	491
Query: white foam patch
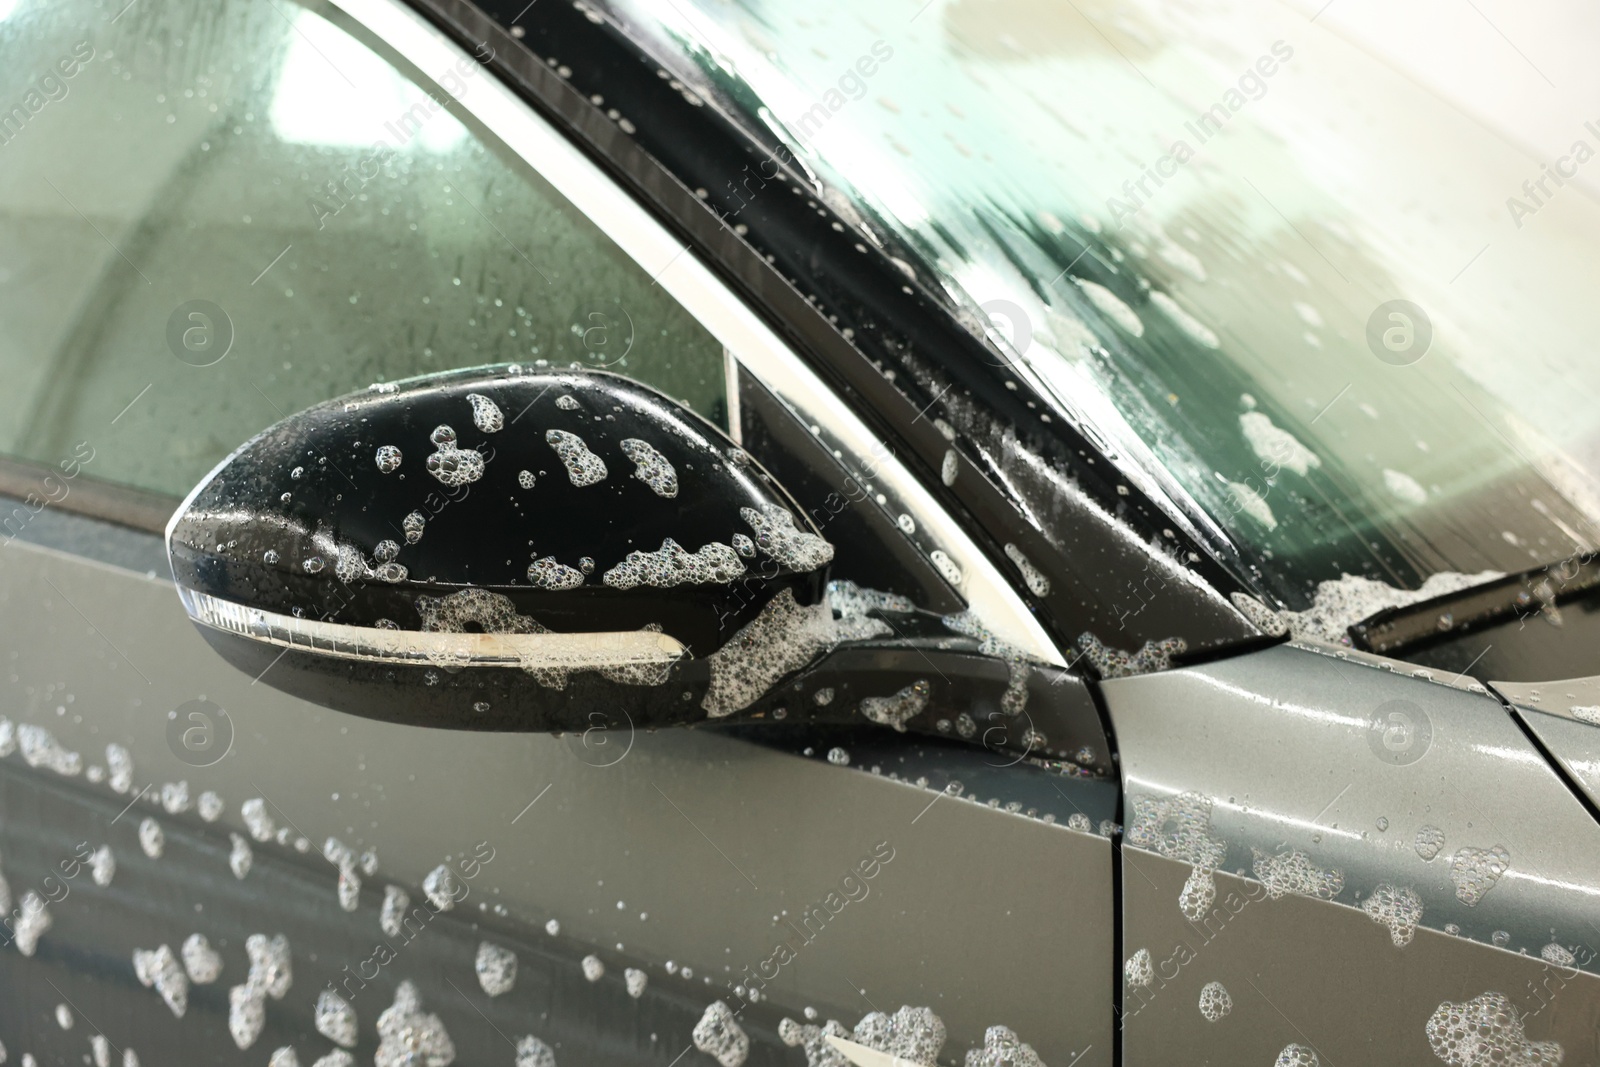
584	468
719	1036
31	923
531	1052
894	711
784	637
410	1037
1112	306
240	856
1402	486
1215	1003
201	962
335	1019
1115	663
453	466
1292	871
635	981
1179	828
1397	907
1297	1056
1253	504
247	1013
486	414
387	458
1341	602
151	838
776	535
550	573
1186	322
1476	870
439	886
1032	576
210	806
160	968
1015	698
651	467
1428	842
1003	1048
1139	971
1275	445
40	749
396	902
102	867
120	765
594	968
1486	1031
256	819
672	565
496	967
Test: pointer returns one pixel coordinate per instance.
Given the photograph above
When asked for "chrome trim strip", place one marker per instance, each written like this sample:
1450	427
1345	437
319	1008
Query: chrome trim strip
371	644
692	283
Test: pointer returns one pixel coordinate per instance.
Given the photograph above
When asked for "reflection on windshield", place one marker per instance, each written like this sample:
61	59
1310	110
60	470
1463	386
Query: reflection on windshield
1272	272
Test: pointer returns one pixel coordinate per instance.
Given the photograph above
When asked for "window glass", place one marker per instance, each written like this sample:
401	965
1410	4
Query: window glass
1300	295
216	215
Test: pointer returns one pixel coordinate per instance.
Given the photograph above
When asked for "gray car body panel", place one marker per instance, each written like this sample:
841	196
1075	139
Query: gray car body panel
1295	749
987	916
1565	716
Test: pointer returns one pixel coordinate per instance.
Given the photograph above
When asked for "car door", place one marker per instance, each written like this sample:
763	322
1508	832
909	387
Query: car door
1333	857
218	216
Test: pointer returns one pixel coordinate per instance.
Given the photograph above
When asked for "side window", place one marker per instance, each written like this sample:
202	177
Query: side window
217	215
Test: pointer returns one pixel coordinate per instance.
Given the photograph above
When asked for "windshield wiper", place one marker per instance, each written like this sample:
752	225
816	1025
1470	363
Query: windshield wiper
1394	631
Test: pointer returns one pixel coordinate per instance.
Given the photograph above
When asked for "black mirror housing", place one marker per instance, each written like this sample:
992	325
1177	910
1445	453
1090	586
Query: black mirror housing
499	548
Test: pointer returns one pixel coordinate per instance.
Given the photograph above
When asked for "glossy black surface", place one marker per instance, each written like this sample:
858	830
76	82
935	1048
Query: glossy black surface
906	361
296	521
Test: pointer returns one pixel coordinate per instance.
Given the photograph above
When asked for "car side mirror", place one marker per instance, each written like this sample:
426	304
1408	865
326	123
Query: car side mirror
531	549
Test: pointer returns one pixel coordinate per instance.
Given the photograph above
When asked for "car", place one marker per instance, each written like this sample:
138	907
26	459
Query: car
713	532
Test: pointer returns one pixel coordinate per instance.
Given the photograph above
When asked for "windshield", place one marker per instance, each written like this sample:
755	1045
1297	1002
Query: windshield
1337	324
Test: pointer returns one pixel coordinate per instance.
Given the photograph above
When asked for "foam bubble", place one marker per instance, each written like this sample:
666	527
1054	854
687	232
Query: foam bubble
1002	1048
584	468
1215	1003
1559	955
718	1035
1476	870
671	565
1139	971
550	573
413	525
201	962
256	819
270	969
635	980
895	710
33	920
913	1035
1112	306
120	765
335	1019
1398	908
1032	576
486	414
175	797
950	467
396	902
1293	872
440	887
776	535
1343	601
1486	1031
567	403
209	806
593	968
151	838
159	967
1297	1056
240	857
40	749
1115	663
1185	321
1179	828
247	1013
409	1037
1275	445
531	1052
102	866
651	467
388	459
496	967
784	637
